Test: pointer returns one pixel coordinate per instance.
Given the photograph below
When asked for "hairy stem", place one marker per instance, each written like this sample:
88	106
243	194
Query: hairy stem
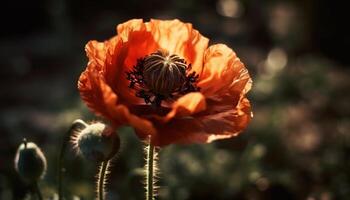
102	180
65	142
150	171
38	191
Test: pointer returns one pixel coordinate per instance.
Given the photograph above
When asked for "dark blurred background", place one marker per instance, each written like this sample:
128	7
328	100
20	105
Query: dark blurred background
297	146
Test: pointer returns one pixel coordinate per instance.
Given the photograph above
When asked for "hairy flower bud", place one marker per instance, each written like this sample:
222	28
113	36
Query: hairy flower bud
97	142
30	162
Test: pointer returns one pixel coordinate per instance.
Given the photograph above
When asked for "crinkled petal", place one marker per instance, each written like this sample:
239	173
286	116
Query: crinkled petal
187	105
101	99
90	91
224	122
139	41
223	73
108	58
96	52
130	26
181	39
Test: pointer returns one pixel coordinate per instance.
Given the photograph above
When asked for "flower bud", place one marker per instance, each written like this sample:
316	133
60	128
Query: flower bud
30	162
97	142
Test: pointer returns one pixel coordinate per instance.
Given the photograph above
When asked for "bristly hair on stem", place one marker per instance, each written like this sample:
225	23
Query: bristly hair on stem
102	179
38	191
151	170
65	141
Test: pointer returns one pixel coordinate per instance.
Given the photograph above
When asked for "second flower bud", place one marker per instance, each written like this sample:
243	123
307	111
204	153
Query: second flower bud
96	141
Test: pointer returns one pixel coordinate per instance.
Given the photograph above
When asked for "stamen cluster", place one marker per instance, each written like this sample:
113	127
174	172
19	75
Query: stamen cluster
162	76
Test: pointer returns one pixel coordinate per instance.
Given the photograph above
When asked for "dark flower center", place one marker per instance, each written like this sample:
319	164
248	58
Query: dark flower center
161	76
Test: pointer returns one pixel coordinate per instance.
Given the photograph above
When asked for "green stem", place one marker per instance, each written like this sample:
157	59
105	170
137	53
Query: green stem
38	191
150	172
64	145
101	180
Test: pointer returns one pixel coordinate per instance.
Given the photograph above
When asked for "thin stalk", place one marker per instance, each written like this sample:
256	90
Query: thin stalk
102	180
38	191
64	145
150	172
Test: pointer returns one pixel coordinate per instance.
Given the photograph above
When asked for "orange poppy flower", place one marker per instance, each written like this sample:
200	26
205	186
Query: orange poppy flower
161	78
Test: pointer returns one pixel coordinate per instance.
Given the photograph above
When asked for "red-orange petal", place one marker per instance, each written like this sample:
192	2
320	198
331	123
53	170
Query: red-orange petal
181	39
100	98
107	58
186	105
223	73
138	41
96	52
228	121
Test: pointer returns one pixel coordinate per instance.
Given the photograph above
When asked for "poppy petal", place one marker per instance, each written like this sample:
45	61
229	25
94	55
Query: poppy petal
187	105
96	52
223	73
89	90
139	41
100	98
226	123
181	39
107	58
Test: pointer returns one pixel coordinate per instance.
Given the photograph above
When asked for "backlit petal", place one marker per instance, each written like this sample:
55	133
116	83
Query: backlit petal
223	122
187	105
223	73
181	39
100	98
138	41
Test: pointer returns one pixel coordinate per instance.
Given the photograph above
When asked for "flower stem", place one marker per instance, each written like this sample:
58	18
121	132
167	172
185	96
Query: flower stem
101	179
150	170
65	142
38	191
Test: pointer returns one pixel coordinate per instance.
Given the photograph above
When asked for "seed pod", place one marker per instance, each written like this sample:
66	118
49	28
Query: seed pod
97	142
164	73
30	162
